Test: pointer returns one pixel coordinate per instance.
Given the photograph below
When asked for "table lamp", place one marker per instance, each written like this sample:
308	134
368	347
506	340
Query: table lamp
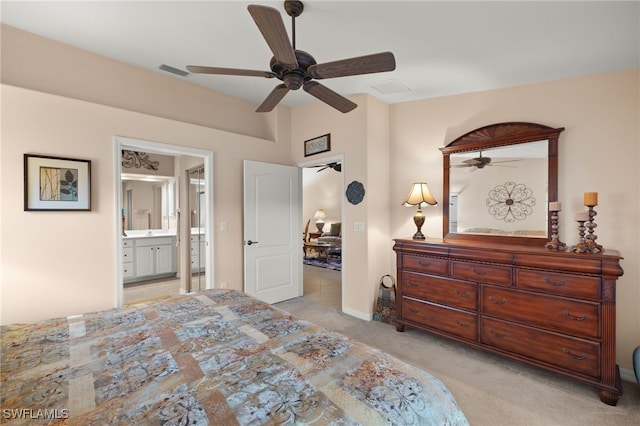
418	196
319	217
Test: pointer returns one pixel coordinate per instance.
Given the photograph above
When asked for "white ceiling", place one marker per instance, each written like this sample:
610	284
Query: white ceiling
441	48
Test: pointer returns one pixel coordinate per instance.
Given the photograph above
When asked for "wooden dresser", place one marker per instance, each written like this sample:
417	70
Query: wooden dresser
554	310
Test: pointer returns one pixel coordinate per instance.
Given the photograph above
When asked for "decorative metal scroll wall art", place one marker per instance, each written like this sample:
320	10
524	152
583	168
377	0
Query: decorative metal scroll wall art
511	202
137	159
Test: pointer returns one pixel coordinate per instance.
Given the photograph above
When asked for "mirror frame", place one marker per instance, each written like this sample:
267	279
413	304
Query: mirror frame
500	135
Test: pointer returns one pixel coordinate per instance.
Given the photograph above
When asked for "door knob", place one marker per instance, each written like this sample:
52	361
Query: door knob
251	242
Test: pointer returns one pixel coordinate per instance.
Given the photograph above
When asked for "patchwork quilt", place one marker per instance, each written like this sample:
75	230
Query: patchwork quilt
219	357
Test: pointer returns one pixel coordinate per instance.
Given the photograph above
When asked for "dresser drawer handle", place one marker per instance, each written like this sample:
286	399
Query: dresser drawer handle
462	294
497	302
582	318
414	310
462	324
480	271
412	284
555	283
498	335
578	357
424	263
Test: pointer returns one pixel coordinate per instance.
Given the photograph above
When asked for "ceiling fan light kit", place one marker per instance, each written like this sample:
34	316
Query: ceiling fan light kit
297	68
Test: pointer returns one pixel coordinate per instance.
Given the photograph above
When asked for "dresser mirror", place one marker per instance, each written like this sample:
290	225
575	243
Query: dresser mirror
498	181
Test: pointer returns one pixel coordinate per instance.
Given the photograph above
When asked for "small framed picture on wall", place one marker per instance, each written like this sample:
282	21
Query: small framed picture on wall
56	183
317	145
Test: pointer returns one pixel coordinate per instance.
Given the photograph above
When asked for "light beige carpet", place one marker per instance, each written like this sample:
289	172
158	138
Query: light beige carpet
489	389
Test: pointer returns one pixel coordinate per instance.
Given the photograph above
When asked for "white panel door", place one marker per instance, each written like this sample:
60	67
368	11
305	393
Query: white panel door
272	231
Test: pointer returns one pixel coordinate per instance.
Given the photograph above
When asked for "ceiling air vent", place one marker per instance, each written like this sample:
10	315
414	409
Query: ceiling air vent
390	86
173	70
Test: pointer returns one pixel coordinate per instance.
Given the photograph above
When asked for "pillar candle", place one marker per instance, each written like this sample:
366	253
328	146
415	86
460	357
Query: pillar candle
590	198
582	216
555	206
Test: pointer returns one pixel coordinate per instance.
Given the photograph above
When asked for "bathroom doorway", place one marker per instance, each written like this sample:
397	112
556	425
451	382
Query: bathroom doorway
185	159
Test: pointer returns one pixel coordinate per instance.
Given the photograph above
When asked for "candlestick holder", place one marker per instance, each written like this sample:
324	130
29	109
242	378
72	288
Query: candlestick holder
581	247
591	237
555	243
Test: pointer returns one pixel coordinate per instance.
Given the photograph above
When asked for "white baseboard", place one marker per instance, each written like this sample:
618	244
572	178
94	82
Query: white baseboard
357	314
628	375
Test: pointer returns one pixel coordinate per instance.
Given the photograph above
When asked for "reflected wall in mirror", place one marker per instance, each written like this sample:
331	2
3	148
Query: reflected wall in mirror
498	180
149	202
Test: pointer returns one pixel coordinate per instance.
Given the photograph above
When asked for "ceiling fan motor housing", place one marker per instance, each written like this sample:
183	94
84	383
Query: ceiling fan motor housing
294	78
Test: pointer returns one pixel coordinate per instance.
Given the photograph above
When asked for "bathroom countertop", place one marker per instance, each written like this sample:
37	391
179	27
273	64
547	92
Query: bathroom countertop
151	233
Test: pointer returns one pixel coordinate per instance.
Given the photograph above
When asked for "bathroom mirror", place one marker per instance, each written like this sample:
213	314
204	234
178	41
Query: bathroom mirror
498	181
149	201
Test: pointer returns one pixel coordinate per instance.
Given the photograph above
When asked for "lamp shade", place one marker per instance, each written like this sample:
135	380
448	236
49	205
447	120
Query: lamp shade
419	195
319	215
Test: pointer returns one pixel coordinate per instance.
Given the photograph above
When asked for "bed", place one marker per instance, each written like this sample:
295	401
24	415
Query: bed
216	357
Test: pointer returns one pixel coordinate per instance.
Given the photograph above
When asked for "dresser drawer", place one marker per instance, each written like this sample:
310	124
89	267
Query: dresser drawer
452	321
460	294
481	273
562	284
428	265
576	355
550	312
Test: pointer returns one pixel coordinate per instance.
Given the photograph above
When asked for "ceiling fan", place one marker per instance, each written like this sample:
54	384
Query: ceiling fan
480	162
335	166
297	68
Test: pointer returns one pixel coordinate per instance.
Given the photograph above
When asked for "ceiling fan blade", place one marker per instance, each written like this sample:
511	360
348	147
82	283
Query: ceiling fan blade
506	161
377	62
329	97
229	71
270	24
274	97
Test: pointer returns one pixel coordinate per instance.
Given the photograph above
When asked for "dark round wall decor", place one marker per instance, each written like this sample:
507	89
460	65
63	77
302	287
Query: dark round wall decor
355	192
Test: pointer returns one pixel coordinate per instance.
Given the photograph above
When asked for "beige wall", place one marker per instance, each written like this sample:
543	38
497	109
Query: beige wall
321	190
60	263
63	101
362	138
48	66
598	151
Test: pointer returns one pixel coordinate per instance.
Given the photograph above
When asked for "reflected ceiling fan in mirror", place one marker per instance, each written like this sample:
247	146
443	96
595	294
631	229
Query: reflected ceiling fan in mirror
335	166
297	68
480	162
